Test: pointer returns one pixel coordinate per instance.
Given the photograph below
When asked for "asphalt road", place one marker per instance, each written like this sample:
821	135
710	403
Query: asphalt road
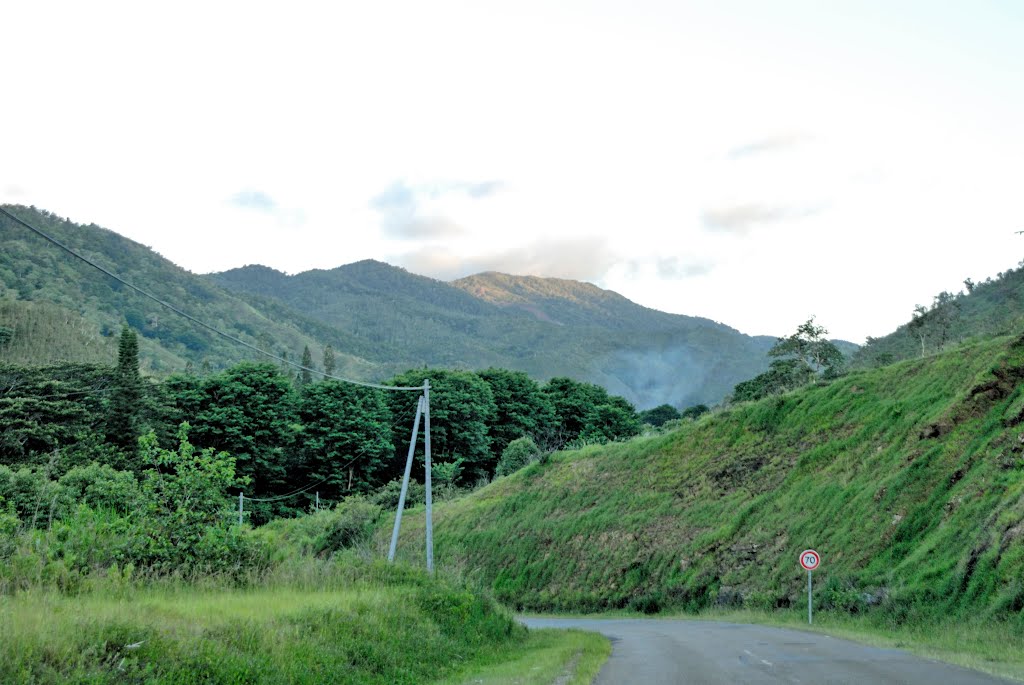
655	651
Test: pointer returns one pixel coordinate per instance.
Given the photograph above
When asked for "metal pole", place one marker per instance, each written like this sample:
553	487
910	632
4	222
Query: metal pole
405	480
808	598
426	458
239	508
318	500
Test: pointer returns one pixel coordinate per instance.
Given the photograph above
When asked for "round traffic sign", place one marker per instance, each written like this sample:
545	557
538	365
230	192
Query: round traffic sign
810	559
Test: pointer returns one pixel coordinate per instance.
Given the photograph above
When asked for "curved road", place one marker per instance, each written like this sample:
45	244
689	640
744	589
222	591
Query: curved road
656	651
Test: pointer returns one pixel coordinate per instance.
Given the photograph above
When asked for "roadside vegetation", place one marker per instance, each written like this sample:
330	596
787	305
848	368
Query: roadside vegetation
909	480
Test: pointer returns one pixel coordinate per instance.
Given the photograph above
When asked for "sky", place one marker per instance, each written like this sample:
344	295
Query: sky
756	163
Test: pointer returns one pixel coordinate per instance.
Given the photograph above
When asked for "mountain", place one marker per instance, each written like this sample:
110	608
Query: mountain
379	319
544	326
907	479
79	306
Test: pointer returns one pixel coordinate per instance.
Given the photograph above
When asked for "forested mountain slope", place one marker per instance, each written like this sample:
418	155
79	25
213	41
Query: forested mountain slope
35	272
379	319
544	326
908	479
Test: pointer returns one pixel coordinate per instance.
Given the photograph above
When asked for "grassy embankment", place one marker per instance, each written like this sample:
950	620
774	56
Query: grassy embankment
305	619
909	480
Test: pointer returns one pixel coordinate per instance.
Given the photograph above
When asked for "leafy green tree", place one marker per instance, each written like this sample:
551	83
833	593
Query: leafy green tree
48	409
809	346
523	409
782	376
615	420
587	411
249	412
188	516
659	415
346	437
124	418
572	401
461	410
695	412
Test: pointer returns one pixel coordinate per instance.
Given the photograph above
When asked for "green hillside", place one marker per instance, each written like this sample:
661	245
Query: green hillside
994	306
38	275
909	480
380	320
544	326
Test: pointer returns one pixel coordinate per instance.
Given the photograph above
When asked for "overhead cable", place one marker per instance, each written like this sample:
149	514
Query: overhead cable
191	318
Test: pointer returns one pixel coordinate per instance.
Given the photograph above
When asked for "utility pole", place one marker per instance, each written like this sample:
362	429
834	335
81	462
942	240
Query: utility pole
405	480
426	458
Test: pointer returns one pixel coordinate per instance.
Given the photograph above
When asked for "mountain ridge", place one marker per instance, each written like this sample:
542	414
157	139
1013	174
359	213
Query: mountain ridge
379	319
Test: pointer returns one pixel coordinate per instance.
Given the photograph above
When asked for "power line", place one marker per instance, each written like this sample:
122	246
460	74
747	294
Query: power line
290	494
191	318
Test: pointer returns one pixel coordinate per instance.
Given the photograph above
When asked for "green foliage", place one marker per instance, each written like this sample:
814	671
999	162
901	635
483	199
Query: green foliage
519	453
803	356
123	417
45	409
907	479
695	412
346	436
659	415
248	411
992	307
523	410
187	516
461	409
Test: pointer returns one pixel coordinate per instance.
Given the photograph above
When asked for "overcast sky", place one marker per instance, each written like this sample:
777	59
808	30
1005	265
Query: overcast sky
752	162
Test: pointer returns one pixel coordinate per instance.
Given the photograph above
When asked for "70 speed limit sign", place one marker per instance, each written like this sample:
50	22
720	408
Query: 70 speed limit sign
809	559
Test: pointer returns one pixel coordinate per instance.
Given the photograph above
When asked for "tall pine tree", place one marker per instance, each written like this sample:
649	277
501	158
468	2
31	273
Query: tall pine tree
307	363
329	362
123	421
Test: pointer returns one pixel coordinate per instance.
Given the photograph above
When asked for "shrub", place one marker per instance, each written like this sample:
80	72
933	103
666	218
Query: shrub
519	453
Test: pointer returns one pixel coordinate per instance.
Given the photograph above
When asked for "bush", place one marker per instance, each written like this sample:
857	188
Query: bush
386	497
102	487
519	453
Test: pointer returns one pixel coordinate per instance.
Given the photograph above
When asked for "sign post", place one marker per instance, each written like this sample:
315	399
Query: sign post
809	559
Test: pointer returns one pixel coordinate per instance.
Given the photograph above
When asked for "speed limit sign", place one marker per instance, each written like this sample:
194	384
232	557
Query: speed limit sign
809	559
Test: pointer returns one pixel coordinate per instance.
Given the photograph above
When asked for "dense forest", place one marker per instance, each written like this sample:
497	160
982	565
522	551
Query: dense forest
284	432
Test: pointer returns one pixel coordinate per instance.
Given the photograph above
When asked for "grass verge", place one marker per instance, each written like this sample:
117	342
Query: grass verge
545	657
373	624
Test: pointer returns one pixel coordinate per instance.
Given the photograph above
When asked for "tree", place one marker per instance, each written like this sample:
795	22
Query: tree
660	415
616	420
585	410
811	348
461	410
523	409
329	361
572	401
306	376
695	412
346	437
249	412
782	376
123	423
